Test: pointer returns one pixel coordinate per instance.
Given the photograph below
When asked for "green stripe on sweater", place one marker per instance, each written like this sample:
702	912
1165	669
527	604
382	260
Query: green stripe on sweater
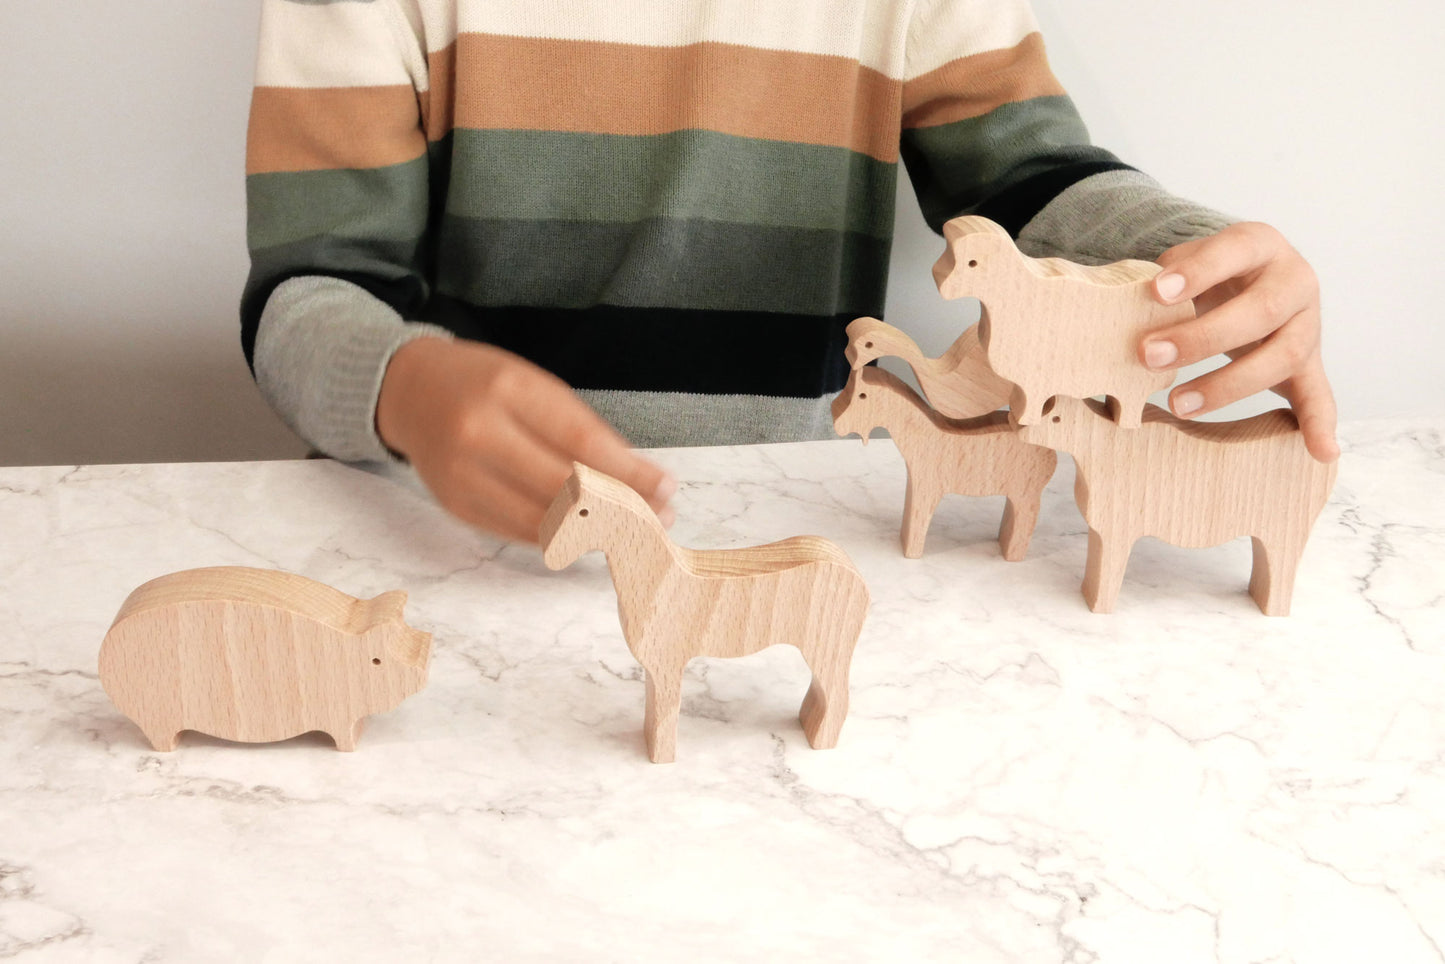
662	263
384	203
541	176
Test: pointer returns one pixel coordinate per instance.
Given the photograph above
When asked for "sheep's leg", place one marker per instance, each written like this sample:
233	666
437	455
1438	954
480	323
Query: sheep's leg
1271	581
1020	515
346	734
1104	572
826	705
664	701
919	504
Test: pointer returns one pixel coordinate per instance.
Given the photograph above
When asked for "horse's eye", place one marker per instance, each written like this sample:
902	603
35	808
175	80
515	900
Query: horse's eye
973	264
862	394
583	513
867	344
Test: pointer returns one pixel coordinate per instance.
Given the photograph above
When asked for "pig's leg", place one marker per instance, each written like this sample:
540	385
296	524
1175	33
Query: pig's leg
664	701
1271	581
346	734
826	705
1104	572
163	738
919	503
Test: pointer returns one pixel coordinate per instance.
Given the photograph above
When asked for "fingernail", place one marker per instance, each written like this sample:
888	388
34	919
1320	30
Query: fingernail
666	489
1187	402
1160	354
1169	286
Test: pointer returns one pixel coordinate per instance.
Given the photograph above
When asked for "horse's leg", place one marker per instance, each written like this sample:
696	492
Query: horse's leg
1104	572
919	504
1018	403
826	706
664	701
1271	581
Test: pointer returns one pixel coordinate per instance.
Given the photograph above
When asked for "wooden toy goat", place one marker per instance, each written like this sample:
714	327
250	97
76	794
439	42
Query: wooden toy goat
958	383
1052	327
981	456
678	603
1192	484
257	655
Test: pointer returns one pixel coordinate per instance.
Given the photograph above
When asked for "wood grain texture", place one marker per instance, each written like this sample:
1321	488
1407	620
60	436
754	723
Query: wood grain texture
980	456
258	655
959	383
676	603
1052	327
1191	484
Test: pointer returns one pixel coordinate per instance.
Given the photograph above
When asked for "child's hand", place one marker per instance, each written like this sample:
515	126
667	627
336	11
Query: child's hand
1258	300
494	436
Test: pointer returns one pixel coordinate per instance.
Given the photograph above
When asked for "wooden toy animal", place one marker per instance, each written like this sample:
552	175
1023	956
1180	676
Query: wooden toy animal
1052	327
958	383
981	456
678	603
257	655
1192	484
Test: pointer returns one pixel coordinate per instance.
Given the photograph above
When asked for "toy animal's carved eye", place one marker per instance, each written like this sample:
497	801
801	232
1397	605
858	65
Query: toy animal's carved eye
376	661
867	344
973	264
1058	418
582	513
862	394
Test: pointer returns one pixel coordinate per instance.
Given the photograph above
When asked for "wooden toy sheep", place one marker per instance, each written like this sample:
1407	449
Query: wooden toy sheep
981	456
958	383
1192	484
1052	327
678	603
257	655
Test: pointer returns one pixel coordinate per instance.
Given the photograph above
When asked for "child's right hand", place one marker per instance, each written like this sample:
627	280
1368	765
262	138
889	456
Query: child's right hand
494	436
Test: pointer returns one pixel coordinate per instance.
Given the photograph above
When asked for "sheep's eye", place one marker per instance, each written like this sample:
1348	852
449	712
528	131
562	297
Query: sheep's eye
376	661
583	513
1058	418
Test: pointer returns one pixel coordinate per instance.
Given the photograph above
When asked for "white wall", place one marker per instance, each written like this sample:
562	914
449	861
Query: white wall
122	239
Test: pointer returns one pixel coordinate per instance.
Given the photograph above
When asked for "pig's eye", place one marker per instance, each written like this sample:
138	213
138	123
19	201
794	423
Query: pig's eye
583	513
376	661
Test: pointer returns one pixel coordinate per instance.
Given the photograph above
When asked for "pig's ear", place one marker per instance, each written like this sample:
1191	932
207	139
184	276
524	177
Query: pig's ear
386	608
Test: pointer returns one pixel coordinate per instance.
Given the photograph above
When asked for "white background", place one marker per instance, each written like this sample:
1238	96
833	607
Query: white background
122	221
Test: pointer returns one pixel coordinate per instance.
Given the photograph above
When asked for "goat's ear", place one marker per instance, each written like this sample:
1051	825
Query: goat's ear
1049	405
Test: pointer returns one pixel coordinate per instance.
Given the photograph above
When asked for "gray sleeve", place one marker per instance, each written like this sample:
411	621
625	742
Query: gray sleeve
1116	215
322	347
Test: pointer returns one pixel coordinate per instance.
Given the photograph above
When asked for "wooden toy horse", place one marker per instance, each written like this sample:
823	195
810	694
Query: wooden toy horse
958	383
1190	484
981	456
1052	327
678	603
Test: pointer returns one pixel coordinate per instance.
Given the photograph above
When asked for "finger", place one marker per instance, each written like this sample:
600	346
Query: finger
502	448
1249	317
489	503
1313	401
1273	362
574	432
1239	249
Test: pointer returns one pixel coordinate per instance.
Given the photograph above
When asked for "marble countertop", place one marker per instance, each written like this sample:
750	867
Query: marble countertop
1019	779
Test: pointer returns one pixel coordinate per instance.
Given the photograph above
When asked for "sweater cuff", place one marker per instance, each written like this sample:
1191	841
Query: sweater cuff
322	348
1113	216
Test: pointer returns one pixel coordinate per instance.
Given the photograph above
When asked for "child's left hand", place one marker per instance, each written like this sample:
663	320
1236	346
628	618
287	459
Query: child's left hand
1257	300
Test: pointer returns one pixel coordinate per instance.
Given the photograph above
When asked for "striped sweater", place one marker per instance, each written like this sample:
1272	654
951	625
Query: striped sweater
674	205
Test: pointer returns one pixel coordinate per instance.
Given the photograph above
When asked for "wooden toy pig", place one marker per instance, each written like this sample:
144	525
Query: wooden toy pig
257	655
1190	484
1052	327
978	456
679	603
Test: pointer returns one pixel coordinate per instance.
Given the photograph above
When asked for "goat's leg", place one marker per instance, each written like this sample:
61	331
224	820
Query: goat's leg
1104	572
1020	515
1271	581
664	701
919	504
